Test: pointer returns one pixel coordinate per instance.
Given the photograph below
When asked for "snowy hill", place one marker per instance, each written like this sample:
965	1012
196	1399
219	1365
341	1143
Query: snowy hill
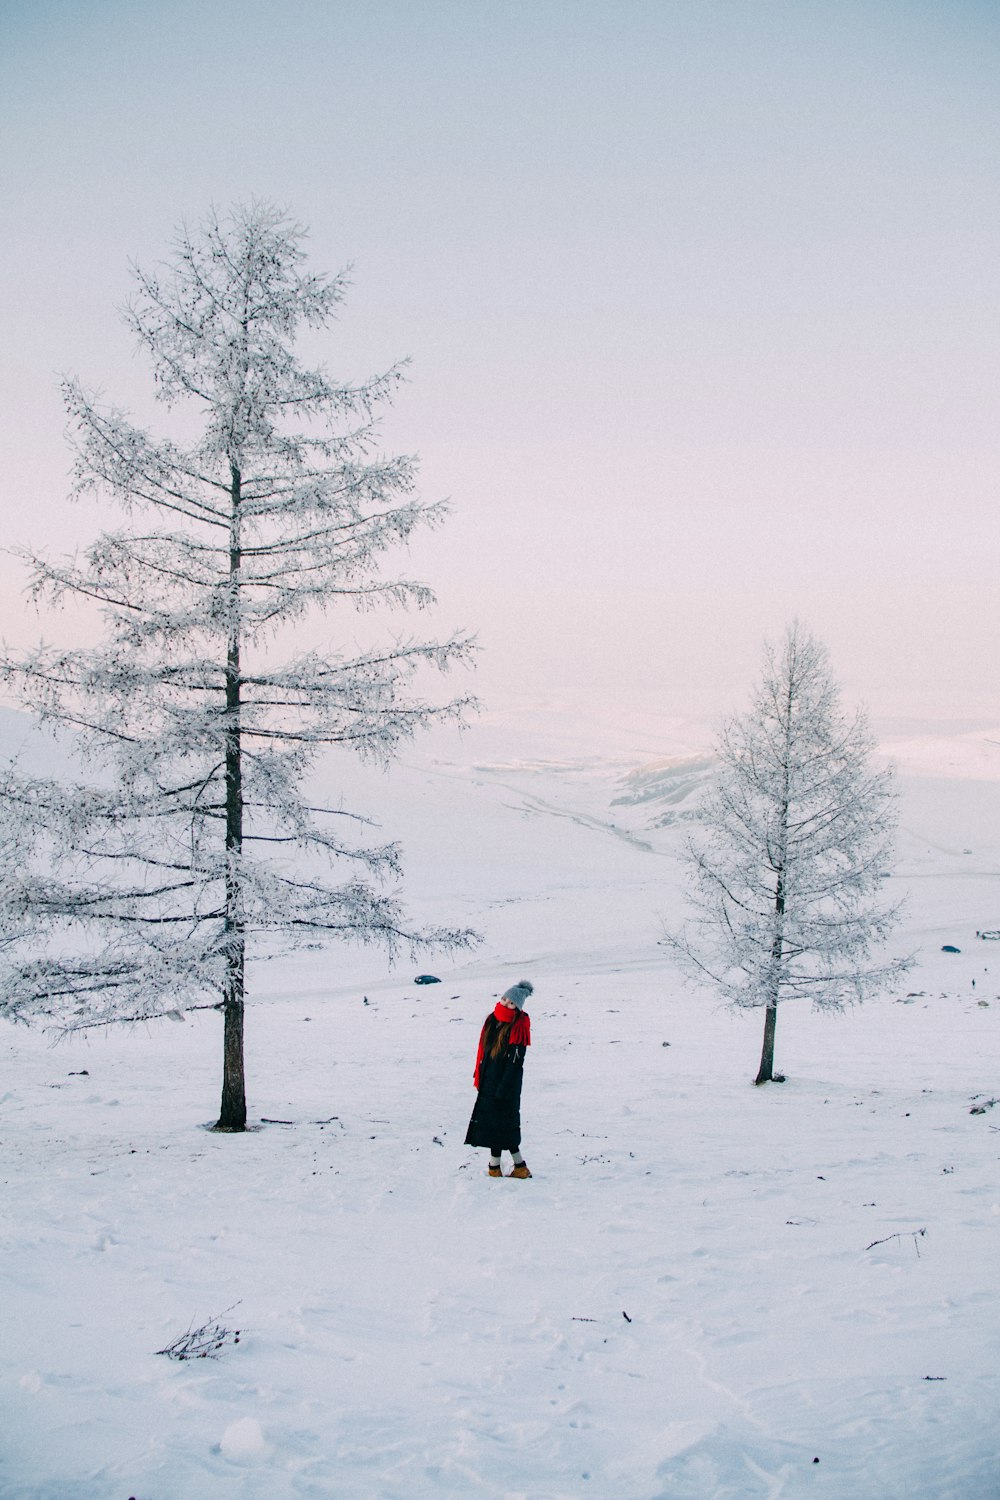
705	1289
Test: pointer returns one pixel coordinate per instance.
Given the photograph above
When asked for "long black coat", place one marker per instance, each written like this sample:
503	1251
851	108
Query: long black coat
496	1116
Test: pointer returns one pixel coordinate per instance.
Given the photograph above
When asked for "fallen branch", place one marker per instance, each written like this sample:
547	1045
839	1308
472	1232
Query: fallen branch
915	1235
205	1342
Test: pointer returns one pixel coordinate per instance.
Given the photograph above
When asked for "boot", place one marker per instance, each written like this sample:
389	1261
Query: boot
521	1171
494	1172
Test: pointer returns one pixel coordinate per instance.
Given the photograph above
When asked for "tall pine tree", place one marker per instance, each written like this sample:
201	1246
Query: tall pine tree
792	847
141	890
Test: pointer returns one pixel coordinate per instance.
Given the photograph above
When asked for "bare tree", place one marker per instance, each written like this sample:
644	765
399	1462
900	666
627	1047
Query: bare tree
794	840
147	882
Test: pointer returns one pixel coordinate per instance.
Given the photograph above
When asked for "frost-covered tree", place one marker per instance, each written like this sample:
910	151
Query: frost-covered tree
146	882
794	839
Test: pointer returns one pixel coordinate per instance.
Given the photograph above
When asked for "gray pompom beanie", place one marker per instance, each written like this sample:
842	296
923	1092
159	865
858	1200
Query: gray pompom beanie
518	994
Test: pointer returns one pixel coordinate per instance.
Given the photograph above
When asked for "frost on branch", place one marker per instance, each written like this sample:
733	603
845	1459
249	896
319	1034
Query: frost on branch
143	888
794	843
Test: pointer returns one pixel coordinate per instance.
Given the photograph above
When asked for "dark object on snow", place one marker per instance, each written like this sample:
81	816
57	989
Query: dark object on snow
496	1115
427	979
949	948
205	1342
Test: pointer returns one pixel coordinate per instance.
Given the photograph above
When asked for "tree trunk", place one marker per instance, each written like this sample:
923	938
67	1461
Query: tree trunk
233	1115
765	1073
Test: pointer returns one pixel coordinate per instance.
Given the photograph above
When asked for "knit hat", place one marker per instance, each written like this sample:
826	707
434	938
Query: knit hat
518	994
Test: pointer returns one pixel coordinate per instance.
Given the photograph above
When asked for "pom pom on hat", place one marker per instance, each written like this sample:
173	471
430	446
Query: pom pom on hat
518	994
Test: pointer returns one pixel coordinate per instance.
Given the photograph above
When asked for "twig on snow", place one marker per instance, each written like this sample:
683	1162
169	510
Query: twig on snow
915	1235
205	1342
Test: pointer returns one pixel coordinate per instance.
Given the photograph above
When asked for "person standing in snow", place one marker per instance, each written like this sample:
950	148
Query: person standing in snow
496	1116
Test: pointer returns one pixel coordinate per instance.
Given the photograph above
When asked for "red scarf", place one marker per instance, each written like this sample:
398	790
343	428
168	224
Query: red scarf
520	1032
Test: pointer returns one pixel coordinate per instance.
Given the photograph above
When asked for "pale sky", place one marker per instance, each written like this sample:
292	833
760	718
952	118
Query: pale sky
702	298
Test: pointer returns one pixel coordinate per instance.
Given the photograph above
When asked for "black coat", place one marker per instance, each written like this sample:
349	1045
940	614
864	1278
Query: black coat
496	1116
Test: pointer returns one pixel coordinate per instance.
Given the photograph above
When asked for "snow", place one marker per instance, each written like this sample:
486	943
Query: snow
243	1441
704	1288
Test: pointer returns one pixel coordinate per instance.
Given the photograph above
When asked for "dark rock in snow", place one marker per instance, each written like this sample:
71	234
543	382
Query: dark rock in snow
949	948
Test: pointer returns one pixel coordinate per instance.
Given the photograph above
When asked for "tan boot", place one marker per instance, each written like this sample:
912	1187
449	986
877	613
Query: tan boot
521	1171
494	1172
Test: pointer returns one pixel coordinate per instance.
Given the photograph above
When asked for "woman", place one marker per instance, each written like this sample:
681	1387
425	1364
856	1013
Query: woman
496	1118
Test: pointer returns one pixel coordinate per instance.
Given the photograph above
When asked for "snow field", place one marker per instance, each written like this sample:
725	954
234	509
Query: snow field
687	1300
412	1328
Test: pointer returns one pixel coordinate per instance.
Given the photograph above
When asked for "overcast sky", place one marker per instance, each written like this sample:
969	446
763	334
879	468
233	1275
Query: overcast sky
703	303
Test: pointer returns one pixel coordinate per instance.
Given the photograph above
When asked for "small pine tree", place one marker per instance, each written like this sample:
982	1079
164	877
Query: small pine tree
144	888
793	843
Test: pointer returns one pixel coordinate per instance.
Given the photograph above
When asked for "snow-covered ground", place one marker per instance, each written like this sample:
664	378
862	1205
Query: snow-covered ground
707	1290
